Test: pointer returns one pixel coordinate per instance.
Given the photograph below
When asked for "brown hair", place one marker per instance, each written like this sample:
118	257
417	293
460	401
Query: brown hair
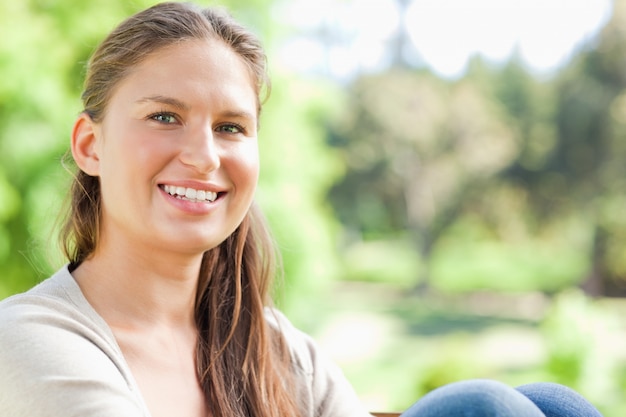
243	364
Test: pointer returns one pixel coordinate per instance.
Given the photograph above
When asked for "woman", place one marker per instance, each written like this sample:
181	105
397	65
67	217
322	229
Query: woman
162	309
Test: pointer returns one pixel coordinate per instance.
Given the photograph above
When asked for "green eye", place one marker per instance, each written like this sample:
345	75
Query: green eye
165	118
230	128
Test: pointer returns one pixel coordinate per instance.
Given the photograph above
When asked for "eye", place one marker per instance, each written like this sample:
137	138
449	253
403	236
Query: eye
230	128
166	118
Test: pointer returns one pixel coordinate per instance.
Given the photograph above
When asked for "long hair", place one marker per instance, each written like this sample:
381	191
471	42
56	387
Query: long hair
243	364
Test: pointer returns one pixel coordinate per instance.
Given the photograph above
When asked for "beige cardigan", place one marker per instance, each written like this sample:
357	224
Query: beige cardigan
58	358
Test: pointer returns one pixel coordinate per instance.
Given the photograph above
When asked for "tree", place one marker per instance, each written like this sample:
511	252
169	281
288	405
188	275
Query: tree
590	152
416	148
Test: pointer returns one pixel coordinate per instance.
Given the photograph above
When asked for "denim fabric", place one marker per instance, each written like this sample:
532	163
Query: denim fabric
485	398
558	401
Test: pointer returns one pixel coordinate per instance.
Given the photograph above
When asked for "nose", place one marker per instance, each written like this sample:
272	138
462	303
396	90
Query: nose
201	151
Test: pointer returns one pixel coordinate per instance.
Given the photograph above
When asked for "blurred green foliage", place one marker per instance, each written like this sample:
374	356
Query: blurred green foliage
502	179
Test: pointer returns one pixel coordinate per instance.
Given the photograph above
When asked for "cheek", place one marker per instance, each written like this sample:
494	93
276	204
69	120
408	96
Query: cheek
248	161
150	147
255	168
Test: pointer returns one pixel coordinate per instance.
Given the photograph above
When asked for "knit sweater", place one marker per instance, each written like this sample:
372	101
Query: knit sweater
59	358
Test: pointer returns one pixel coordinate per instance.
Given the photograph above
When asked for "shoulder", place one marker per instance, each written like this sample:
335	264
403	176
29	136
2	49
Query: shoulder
45	304
302	347
55	352
329	392
54	308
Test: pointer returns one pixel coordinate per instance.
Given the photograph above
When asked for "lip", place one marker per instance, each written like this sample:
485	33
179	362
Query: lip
193	207
197	185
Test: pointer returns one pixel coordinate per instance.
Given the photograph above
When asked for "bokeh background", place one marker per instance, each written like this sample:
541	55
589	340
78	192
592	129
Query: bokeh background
445	179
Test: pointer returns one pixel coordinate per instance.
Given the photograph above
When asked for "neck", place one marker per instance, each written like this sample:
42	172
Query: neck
131	289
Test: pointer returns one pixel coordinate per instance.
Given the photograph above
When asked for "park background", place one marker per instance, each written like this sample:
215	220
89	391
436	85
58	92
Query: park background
436	224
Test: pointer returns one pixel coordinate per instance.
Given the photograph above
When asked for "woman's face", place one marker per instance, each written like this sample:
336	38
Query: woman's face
177	149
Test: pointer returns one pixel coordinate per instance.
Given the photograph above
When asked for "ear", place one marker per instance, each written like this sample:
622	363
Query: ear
85	138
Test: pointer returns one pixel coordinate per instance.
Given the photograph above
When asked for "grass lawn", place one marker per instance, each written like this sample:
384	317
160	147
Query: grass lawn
395	346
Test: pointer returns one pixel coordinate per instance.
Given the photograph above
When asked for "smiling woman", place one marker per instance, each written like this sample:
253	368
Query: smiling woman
163	307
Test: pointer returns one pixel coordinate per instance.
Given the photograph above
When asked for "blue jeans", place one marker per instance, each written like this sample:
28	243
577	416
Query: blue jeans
485	398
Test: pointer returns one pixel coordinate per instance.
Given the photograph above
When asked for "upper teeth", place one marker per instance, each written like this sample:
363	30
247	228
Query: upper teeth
190	193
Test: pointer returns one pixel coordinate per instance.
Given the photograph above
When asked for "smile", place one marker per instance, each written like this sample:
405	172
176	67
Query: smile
190	194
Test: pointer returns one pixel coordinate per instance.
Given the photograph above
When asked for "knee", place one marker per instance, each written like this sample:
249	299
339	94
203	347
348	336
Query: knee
482	393
475	397
474	388
477	387
556	399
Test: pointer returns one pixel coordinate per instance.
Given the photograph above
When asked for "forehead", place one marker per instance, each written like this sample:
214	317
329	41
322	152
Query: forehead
192	70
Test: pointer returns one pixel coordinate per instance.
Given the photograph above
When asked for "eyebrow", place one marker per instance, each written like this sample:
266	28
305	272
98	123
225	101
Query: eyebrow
239	115
182	106
165	100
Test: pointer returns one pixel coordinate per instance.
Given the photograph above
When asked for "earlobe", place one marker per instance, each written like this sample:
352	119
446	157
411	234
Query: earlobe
84	140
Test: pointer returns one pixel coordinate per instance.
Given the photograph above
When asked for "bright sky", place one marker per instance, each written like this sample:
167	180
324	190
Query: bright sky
444	33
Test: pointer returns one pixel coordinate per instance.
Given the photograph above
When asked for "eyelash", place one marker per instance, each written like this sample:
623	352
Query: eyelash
155	116
239	128
166	114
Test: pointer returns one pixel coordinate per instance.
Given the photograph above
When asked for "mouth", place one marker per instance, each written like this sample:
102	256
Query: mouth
190	194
